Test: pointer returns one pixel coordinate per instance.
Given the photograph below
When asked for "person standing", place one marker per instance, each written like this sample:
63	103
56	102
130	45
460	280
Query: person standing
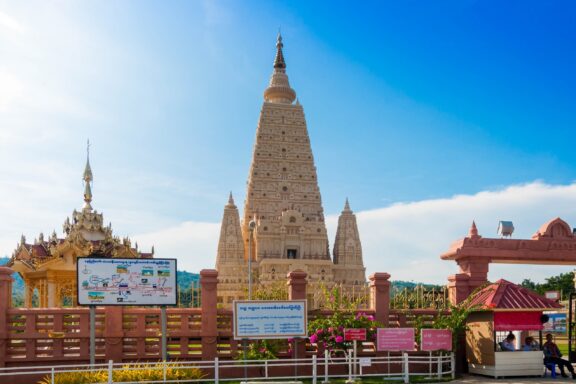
553	355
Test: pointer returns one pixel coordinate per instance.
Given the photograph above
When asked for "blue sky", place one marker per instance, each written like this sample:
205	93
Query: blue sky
406	102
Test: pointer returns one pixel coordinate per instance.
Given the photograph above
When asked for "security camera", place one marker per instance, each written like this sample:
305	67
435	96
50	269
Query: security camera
252	225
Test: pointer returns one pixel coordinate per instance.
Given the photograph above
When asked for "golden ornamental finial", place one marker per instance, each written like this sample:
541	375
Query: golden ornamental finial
279	62
88	177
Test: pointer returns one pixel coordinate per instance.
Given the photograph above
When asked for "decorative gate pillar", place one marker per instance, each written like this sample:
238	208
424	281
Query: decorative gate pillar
209	297
380	296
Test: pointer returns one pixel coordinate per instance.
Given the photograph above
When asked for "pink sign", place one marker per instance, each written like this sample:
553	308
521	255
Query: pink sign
436	339
395	339
351	334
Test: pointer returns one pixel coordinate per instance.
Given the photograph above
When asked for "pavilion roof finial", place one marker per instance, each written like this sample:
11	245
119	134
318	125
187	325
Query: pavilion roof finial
88	177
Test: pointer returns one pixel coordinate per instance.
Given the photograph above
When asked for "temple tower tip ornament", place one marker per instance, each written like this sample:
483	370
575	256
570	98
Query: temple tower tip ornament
279	90
473	232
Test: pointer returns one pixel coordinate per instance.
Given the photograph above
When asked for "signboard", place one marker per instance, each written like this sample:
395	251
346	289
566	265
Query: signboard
126	281
270	319
351	334
436	340
395	339
556	323
365	362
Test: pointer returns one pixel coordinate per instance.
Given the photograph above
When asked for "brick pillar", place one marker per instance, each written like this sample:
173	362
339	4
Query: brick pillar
209	297
113	333
297	291
458	288
380	296
477	272
5	304
297	285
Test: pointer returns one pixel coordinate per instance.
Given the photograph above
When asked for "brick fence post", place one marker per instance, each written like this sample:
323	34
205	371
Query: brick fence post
380	296
5	305
113	333
458	288
209	300
297	291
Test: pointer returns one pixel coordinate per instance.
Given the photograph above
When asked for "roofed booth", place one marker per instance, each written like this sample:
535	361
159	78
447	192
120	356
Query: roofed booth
504	307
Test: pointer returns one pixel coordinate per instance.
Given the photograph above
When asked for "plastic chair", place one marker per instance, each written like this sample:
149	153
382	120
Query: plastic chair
552	368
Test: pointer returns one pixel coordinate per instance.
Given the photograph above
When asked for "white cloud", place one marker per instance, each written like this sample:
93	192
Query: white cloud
406	239
8	22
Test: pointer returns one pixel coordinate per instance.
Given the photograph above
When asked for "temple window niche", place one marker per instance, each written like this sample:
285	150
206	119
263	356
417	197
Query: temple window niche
291	253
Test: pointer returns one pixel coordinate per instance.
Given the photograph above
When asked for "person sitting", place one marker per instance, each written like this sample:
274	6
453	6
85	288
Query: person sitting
507	345
530	344
553	355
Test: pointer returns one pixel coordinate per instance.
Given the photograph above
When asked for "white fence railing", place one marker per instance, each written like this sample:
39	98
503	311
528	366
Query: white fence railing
433	366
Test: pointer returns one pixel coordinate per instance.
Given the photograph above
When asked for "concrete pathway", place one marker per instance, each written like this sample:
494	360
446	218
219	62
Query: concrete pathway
474	379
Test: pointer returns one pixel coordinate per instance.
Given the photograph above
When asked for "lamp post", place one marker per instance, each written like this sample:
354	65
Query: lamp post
251	226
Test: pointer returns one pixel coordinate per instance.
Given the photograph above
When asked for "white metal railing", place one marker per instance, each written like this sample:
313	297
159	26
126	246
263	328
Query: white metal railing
439	366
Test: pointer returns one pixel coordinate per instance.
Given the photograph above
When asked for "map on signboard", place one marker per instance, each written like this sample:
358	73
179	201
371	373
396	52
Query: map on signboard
126	281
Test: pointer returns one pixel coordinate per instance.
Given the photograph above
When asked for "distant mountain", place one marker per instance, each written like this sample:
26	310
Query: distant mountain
186	279
400	285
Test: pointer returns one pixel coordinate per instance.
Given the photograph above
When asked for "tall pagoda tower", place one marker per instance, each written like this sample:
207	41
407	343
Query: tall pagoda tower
283	199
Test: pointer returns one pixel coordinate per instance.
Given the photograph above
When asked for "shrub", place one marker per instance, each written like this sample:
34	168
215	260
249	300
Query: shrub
128	373
260	350
329	331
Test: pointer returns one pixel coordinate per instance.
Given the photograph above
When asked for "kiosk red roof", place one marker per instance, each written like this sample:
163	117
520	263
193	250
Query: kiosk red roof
506	296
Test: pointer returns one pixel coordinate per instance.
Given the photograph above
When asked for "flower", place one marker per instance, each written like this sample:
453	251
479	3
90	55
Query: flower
370	318
339	339
319	331
313	338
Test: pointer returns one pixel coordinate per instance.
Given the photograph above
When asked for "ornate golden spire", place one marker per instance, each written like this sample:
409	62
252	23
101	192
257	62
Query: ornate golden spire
88	177
279	90
279	62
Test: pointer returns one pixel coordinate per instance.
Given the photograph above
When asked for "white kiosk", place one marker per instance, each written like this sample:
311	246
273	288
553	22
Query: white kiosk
504	307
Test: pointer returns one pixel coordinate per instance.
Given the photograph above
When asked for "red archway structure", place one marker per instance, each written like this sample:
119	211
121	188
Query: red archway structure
553	244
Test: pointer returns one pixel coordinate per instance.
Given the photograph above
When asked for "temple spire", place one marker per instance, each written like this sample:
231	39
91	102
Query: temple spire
88	177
